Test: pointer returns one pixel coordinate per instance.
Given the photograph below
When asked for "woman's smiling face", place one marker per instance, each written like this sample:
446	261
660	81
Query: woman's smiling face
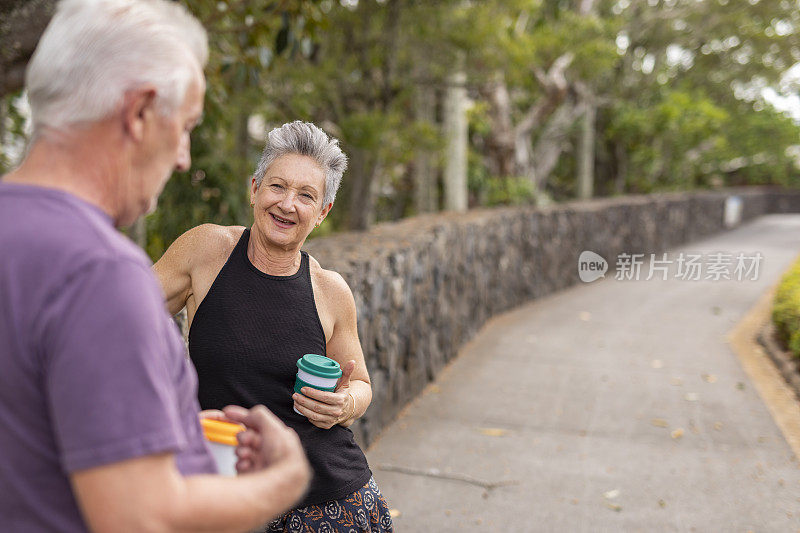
288	201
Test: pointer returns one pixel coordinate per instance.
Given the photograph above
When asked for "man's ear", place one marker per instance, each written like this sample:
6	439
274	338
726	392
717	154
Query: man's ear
139	106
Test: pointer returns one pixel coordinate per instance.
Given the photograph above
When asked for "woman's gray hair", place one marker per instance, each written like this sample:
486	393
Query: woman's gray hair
304	138
93	51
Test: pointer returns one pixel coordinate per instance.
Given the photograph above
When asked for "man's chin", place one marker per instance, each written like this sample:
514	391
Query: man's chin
130	218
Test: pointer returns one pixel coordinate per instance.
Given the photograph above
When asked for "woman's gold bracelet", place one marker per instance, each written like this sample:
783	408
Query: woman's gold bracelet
353	411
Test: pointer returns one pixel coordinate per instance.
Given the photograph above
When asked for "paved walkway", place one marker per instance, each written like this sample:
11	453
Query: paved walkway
611	406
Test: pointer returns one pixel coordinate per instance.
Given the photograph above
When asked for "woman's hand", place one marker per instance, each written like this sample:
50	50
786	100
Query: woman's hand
326	409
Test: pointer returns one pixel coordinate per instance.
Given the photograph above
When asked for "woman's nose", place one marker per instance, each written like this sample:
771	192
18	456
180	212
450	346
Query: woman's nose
287	202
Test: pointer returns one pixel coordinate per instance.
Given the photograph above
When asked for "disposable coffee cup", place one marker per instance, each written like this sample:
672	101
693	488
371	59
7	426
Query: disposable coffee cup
318	372
221	437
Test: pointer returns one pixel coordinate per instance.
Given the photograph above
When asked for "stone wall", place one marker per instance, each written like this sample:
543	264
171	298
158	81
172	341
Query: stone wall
425	285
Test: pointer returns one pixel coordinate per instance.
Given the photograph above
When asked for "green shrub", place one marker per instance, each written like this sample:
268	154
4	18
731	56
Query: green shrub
786	310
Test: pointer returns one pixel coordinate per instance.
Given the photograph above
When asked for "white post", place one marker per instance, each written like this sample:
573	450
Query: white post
455	125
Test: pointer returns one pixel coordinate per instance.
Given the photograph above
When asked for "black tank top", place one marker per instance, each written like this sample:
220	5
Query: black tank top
245	340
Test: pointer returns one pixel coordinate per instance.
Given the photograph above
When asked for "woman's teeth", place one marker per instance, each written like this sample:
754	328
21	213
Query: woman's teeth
282	220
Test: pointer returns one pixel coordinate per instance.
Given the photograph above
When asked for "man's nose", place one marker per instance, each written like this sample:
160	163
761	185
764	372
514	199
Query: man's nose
184	160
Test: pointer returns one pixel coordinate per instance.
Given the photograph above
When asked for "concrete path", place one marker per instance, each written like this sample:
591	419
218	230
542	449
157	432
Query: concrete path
612	406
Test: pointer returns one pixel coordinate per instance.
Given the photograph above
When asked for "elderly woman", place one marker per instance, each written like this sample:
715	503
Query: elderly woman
257	302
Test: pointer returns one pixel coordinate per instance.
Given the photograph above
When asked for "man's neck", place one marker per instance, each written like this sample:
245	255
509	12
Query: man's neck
77	163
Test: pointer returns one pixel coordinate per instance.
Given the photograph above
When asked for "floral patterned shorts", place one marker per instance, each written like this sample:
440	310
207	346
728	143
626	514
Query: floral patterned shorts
365	510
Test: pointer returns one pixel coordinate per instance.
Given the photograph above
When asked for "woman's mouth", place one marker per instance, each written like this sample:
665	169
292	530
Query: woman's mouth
282	222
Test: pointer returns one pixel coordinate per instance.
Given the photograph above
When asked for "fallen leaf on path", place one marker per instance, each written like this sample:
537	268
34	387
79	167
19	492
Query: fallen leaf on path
610	495
659	422
677	434
657	363
718	426
394	513
690	397
716	310
676	381
434	389
575	501
493	432
740	385
710	378
585	316
614	506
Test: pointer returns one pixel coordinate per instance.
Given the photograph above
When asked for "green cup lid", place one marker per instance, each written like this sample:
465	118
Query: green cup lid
319	365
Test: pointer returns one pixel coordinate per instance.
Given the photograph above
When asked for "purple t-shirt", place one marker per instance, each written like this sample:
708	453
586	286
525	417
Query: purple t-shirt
92	368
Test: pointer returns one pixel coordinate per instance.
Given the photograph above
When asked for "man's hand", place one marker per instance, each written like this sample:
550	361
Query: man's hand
214	414
266	441
149	493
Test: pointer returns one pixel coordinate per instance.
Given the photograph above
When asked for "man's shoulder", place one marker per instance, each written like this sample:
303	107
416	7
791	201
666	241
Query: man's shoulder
57	232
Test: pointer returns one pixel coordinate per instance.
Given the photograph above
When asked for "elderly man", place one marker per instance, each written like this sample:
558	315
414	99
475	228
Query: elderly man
98	418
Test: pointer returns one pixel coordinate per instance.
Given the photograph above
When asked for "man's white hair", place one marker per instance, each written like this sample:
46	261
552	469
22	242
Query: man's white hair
93	51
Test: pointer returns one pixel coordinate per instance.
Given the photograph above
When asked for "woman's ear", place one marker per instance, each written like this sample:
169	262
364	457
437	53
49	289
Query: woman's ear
253	189
324	213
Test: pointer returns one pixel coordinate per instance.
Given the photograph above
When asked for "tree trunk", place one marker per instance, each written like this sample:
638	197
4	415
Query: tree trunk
455	125
361	212
5	161
622	168
138	232
587	139
551	143
426	196
500	143
586	152
22	22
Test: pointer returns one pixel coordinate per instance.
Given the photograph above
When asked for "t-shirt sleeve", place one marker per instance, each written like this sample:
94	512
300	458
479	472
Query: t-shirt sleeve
107	364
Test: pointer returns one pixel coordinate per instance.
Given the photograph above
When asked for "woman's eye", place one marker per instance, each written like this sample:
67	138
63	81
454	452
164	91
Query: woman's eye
308	196
276	186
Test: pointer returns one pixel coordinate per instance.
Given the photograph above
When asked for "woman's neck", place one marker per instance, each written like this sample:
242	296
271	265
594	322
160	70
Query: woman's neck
271	259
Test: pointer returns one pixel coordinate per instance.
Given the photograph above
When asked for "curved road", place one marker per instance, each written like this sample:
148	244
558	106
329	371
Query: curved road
611	406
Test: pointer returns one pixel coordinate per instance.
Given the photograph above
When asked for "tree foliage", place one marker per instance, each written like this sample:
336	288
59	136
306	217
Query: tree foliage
678	87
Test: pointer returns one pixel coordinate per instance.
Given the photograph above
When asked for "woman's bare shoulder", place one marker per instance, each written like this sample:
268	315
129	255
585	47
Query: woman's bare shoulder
330	282
207	242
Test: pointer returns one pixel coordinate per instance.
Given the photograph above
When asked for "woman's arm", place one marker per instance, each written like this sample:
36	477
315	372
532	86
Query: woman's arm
173	271
189	266
353	392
